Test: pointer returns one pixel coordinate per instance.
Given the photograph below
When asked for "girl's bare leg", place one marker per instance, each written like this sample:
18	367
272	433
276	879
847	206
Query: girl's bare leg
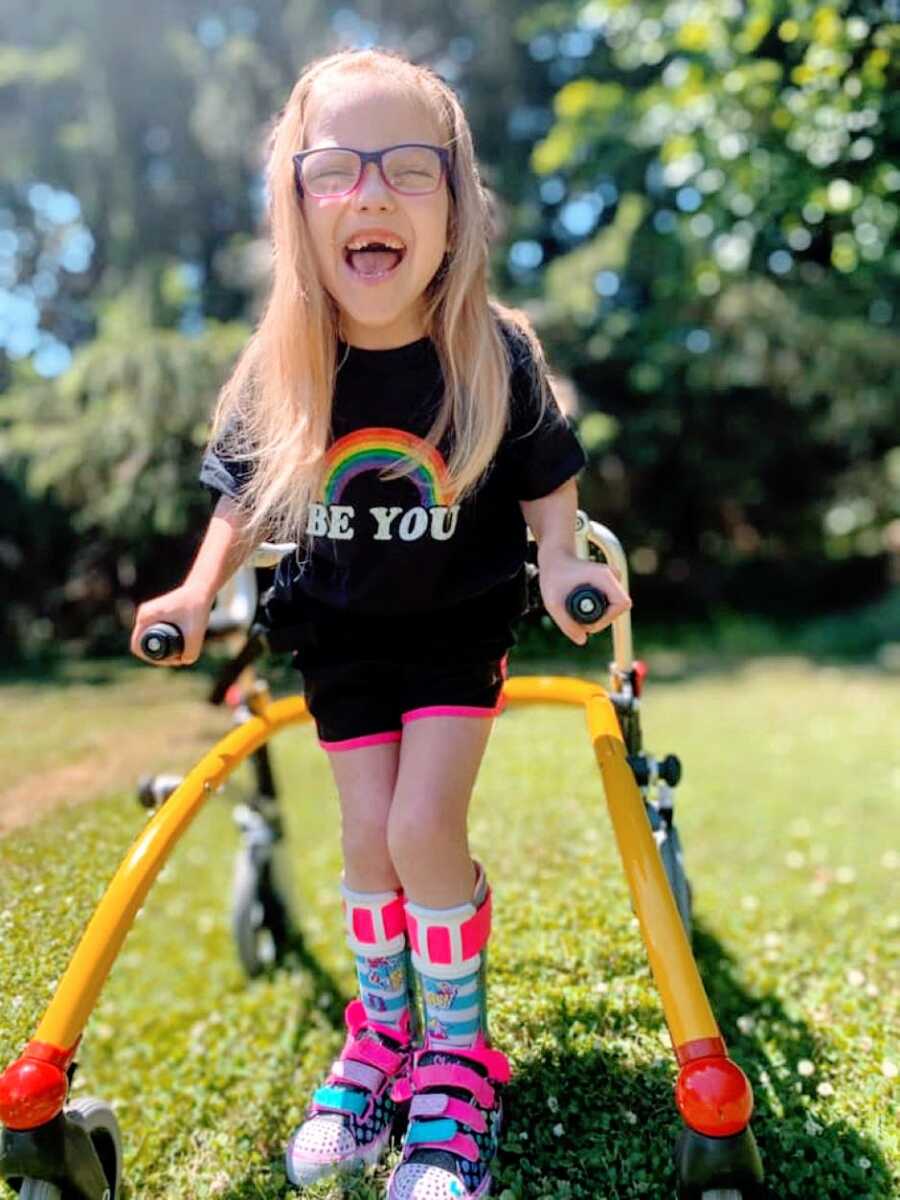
427	823
365	779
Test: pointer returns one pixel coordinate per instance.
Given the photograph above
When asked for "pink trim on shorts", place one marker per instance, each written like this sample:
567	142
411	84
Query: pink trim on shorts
452	710
369	739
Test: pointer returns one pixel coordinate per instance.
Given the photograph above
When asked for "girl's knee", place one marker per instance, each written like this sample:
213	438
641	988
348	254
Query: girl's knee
418	834
366	853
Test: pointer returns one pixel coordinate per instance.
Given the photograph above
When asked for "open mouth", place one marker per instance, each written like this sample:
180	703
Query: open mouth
373	259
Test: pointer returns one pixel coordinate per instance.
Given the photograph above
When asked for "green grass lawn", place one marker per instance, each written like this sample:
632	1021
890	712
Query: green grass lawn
788	812
55	721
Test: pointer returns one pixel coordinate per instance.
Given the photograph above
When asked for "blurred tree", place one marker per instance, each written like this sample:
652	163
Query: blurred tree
712	227
698	206
115	442
130	209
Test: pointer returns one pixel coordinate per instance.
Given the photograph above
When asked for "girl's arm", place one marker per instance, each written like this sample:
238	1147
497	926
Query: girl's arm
551	520
224	547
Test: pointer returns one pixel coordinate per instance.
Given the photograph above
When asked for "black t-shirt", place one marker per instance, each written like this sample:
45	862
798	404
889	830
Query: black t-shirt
401	549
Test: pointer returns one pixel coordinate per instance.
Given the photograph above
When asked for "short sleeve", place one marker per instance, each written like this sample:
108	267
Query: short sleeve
542	451
221	473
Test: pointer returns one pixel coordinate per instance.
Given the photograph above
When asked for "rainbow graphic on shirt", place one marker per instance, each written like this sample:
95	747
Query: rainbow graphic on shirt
375	448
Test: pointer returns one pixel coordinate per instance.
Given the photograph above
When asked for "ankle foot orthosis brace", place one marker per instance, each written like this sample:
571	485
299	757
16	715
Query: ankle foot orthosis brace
375	925
447	948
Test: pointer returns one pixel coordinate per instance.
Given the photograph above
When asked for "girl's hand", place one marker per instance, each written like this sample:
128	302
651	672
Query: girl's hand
187	609
559	571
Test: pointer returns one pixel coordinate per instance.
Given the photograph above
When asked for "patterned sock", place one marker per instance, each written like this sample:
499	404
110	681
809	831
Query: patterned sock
456	1008
384	987
376	934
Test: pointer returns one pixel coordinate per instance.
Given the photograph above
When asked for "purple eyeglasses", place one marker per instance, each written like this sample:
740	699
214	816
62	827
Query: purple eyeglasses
411	168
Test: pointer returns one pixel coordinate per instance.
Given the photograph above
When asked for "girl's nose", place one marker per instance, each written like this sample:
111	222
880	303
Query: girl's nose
372	186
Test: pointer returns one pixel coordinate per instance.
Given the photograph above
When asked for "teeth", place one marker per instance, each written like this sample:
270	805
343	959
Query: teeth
359	243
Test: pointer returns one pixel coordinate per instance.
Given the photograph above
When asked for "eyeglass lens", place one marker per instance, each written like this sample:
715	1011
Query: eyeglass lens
407	168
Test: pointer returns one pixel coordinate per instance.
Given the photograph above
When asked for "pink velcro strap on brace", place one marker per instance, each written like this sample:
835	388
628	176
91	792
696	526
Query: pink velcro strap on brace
446	1075
436	1104
461	1143
364	920
449	945
348	1070
476	931
393	916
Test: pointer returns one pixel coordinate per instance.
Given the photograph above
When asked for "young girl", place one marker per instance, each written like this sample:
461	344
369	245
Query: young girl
397	422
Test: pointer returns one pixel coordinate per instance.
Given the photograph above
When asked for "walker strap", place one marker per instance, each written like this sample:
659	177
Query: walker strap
375	921
448	942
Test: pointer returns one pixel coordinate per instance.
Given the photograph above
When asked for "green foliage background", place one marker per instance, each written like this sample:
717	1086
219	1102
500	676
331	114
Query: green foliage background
698	206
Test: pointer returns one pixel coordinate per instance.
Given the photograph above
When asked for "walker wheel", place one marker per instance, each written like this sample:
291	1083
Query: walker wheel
98	1121
718	1168
259	915
673	864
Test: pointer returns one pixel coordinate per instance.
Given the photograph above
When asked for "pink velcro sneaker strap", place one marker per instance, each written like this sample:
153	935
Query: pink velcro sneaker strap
357	1019
348	1070
436	1104
401	1091
494	1062
461	1143
374	1055
444	1075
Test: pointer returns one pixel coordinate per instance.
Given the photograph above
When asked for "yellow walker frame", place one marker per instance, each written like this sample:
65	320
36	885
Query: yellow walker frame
716	1155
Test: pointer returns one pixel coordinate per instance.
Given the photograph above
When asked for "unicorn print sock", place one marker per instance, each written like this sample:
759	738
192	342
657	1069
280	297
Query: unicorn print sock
454	997
376	933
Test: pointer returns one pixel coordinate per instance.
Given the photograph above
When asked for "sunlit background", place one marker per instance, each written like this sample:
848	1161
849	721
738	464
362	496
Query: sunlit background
695	202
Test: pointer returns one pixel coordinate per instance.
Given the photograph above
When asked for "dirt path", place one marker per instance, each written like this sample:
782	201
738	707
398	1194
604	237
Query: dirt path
168	740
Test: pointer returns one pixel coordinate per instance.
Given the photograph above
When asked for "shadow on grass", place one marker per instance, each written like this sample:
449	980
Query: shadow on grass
592	1126
330	1000
609	1130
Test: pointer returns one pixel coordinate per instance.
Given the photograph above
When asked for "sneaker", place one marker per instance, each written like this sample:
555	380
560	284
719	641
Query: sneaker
454	1123
349	1120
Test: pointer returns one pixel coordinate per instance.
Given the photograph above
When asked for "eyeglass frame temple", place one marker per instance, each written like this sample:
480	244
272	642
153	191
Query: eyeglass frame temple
375	156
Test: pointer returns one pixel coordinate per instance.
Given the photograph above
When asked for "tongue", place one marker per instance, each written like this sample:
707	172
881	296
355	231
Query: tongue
370	262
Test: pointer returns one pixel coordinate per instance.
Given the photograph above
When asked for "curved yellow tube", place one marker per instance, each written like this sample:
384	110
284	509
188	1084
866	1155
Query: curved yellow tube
684	1000
80	986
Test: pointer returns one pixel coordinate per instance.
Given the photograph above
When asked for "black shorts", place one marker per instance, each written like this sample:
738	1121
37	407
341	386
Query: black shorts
365	675
367	702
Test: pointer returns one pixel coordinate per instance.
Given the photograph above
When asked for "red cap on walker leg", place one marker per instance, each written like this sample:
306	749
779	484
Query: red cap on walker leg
714	1096
34	1088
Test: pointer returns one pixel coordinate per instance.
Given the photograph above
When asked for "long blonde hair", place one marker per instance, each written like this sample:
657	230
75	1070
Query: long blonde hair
274	412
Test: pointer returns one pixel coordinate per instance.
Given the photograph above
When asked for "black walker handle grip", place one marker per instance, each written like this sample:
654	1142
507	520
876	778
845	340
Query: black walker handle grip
162	641
586	604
